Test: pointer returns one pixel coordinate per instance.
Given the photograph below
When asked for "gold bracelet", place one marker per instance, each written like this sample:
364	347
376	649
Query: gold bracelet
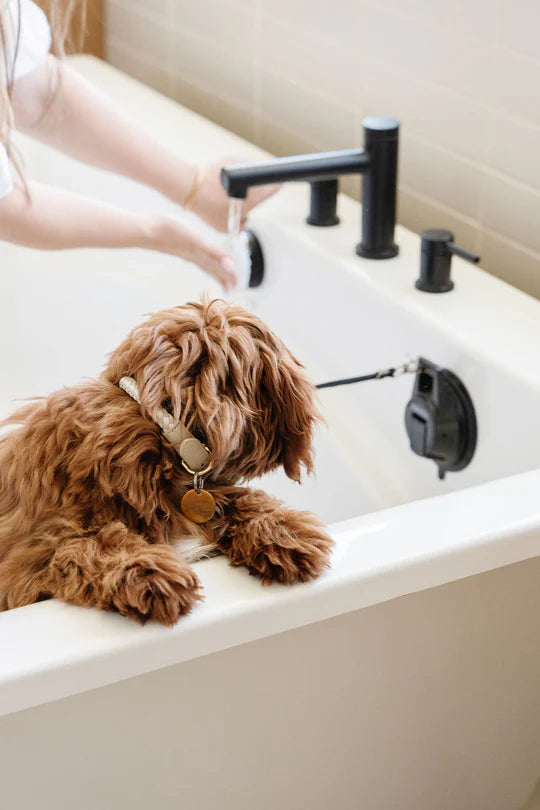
190	199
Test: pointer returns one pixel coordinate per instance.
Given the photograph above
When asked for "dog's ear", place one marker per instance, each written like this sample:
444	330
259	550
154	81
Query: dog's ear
287	403
160	354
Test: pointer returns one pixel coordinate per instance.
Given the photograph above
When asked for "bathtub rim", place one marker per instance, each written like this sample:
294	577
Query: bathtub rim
51	650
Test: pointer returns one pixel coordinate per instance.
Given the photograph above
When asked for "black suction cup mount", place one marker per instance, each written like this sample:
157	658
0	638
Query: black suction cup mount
440	419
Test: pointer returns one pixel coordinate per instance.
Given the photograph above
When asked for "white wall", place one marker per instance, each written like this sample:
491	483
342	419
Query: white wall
463	76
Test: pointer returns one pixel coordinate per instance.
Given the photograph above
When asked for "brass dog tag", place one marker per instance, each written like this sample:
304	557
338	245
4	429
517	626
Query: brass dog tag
198	505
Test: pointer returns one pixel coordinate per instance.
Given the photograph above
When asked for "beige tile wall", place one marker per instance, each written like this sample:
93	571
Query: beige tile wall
463	76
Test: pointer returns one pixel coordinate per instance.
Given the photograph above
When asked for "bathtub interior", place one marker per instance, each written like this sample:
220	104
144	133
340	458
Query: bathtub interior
62	312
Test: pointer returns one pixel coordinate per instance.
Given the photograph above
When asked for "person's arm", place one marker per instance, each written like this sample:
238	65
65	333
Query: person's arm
56	105
53	219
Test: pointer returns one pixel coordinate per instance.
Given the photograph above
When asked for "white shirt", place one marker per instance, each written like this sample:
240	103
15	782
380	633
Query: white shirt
34	45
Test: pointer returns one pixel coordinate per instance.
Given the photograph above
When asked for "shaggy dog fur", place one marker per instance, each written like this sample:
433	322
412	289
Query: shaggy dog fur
90	490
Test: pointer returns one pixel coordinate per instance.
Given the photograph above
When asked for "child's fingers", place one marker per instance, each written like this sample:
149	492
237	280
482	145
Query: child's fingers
219	264
181	240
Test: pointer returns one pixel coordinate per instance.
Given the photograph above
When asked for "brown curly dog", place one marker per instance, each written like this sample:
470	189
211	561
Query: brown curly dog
91	490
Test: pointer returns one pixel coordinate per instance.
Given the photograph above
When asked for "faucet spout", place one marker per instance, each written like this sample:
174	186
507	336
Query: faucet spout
236	180
377	161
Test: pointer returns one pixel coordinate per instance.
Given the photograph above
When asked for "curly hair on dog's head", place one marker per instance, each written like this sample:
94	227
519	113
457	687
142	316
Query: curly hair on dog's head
235	384
91	489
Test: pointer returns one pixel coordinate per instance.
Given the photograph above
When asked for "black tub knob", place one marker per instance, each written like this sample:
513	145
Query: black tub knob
323	203
435	260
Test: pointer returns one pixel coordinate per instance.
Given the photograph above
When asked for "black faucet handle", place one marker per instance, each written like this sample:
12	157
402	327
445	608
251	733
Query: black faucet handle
323	203
436	253
462	253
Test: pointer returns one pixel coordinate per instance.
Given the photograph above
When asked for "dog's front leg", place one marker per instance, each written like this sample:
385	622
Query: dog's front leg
274	541
115	569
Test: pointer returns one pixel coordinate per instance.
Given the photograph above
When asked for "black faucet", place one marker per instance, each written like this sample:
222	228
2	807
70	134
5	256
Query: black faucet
377	161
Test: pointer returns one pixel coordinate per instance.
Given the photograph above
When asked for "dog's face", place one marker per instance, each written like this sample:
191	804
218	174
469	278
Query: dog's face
231	381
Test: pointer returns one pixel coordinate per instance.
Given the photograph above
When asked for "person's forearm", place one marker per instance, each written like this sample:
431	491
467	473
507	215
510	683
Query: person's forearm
53	219
82	122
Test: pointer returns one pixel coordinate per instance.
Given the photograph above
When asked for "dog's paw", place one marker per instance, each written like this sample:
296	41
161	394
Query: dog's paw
158	589
293	549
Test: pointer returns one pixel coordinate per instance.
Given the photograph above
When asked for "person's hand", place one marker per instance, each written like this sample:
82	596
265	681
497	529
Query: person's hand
167	235
211	202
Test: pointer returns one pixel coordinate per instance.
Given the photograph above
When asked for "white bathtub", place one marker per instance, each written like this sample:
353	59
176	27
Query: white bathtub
407	677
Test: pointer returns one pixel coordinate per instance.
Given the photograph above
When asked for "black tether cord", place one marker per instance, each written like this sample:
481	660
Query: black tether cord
378	375
411	367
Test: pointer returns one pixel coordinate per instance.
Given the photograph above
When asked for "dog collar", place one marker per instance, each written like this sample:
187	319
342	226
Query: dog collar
195	456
